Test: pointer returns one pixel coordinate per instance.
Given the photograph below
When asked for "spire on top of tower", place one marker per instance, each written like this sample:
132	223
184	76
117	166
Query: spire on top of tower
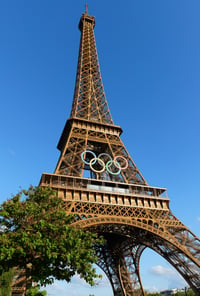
86	8
89	100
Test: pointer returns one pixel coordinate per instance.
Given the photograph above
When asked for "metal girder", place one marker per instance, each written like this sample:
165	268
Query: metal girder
19	283
120	261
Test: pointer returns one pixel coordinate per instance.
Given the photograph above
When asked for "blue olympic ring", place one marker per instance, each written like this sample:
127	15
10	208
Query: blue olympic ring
87	151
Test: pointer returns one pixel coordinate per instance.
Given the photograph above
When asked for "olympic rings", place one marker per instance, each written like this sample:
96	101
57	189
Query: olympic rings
104	162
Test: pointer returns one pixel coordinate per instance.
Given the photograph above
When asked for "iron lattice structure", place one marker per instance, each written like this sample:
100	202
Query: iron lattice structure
19	283
106	192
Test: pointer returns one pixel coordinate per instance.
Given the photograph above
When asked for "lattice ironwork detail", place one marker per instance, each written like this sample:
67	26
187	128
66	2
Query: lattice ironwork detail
119	260
89	96
135	237
92	138
19	284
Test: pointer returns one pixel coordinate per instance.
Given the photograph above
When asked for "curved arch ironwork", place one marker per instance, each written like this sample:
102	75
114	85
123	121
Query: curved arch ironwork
129	239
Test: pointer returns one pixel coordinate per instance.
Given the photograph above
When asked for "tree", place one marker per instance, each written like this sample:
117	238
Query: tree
36	236
188	292
34	291
6	281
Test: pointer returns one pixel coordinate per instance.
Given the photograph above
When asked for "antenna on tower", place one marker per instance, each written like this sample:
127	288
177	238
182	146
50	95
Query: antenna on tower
86	8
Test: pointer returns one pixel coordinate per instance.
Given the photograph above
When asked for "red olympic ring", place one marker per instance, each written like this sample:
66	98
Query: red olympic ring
124	159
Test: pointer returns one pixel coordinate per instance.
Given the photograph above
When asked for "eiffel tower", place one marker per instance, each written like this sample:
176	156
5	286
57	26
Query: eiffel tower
107	193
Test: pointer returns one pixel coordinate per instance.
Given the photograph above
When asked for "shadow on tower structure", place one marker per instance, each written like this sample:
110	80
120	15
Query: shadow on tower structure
106	192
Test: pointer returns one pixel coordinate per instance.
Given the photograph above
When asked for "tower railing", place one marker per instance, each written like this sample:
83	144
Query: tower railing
106	192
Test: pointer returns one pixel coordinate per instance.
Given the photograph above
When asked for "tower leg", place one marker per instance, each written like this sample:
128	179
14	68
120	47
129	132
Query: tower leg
120	261
129	270
110	265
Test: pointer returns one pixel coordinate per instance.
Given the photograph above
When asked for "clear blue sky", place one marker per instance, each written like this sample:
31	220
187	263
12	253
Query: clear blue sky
149	53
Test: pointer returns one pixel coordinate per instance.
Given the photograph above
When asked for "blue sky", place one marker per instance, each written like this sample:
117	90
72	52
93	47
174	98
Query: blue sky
150	65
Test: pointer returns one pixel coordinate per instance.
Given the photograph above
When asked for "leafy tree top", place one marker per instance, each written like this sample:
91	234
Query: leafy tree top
35	291
36	236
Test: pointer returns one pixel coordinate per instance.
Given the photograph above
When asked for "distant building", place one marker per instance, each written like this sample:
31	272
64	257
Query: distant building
169	292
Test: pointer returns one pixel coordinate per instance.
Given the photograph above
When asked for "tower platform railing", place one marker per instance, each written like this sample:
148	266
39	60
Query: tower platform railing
106	192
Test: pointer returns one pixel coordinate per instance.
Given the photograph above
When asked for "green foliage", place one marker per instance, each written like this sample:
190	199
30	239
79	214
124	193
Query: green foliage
35	291
188	292
36	236
6	281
